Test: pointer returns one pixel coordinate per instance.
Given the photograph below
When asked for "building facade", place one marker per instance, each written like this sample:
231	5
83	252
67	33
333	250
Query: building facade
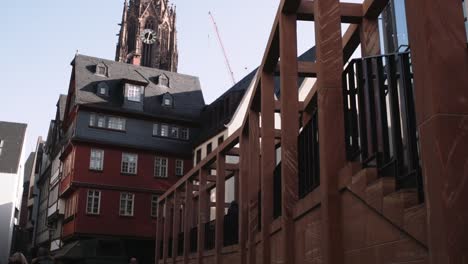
131	133
148	35
12	138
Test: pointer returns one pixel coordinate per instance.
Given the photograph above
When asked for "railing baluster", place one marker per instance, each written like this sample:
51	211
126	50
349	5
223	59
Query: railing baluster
381	114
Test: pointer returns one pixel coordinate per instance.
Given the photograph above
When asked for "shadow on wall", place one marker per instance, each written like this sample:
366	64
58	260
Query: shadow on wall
6	229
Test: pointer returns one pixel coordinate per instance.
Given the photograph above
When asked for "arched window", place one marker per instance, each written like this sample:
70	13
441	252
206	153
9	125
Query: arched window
101	69
163	80
102	89
132	34
168	100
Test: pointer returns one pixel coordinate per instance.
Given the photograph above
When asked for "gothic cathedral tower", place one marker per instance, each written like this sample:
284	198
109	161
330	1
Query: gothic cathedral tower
148	35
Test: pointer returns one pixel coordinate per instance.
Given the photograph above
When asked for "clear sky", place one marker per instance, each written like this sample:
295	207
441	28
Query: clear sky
40	38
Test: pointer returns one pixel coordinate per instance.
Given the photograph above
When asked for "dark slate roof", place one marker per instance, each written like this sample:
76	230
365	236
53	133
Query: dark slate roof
28	167
61	104
240	88
13	136
185	89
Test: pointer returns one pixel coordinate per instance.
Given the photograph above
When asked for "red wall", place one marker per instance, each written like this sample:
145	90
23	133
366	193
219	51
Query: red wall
112	176
111	183
109	222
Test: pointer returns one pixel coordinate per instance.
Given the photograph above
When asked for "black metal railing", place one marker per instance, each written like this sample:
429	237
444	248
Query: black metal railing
380	121
180	244
169	248
308	145
193	239
161	249
277	191
231	228
210	235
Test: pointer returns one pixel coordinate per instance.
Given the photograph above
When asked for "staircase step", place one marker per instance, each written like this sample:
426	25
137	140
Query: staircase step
361	180
377	190
415	222
395	203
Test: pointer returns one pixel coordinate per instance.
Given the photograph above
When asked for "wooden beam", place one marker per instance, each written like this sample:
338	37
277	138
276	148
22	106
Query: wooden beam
230	142
175	226
253	183
167	229
203	216
305	69
226	205
329	45
211	178
188	213
228	166
267	160
351	13
233	152
372	8
243	194
159	233
278	106
220	206
289	131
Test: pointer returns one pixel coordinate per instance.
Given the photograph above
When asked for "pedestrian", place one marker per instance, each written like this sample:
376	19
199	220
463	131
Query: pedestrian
133	260
17	258
43	257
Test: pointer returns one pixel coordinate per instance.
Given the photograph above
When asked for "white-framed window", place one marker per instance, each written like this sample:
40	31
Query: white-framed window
129	163
160	167
164	130
167	101
134	93
126	204
117	123
93	205
156	128
96	161
2	142
154	205
92	119
179	167
174	132
101	121
184	133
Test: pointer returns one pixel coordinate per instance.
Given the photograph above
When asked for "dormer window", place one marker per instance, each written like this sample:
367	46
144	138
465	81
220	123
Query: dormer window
103	89
101	69
1	146
134	93
167	100
163	80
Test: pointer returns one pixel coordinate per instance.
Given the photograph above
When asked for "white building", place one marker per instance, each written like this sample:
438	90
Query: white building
12	142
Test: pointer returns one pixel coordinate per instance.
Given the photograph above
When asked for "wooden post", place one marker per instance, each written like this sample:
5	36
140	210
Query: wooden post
175	225
203	214
243	194
159	232
253	183
167	228
188	210
440	63
289	130
331	130
220	206
267	160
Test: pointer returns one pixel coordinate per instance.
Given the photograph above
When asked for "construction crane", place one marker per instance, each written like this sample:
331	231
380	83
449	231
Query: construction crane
228	65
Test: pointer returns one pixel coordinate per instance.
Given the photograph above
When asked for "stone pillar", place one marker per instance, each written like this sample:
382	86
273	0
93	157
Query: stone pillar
440	63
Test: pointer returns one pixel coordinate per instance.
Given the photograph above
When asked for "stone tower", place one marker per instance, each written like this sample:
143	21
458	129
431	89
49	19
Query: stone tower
148	35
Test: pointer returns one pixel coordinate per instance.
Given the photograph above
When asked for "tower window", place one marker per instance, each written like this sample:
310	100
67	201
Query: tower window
163	80
101	69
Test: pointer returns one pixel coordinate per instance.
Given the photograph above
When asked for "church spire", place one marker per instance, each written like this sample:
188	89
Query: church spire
148	35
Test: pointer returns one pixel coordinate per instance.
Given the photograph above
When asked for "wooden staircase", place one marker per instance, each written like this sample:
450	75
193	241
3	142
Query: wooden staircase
400	207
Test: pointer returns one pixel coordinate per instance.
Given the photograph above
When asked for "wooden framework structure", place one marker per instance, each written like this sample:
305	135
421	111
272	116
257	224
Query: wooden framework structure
264	239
